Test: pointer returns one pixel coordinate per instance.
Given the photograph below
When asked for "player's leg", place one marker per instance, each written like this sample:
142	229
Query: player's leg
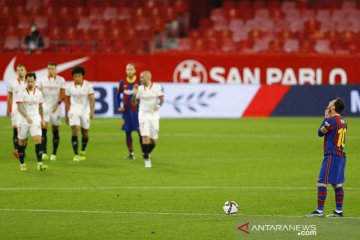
15	142
154	133
322	189
74	122
55	122
85	126
337	180
22	135
152	144
14	120
35	132
141	141
39	153
44	139
339	198
127	127
135	127
84	142
145	134
56	141
75	142
129	144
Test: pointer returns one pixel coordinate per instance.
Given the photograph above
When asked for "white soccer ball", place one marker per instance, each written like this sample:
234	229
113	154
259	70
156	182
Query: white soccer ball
230	207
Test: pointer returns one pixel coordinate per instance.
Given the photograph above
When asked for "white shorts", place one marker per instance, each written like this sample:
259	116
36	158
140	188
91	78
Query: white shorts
24	129
149	127
53	118
15	118
82	120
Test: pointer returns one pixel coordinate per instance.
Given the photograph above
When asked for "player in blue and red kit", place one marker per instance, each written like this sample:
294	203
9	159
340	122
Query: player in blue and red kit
333	166
129	111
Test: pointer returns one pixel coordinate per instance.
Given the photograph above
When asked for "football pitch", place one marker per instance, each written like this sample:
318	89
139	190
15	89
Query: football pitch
269	166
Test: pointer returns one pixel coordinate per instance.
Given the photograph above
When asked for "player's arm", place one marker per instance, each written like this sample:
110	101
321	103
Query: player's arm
61	99
326	125
161	100
22	111
135	97
92	105
67	108
118	97
41	112
160	103
39	85
322	131
41	109
9	103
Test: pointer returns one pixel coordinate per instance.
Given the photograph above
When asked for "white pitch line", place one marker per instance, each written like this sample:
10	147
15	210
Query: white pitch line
158	187
143	213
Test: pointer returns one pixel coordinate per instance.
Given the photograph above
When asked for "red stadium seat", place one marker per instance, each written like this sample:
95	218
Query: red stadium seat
262	14
41	22
217	14
239	35
84	23
228	4
11	43
124	14
259	4
184	44
260	45
322	46
55	33
288	5
24	23
220	24
307	15
96	13
110	13
100	35
323	15
291	45
231	13
228	45
346	5
213	45
97	24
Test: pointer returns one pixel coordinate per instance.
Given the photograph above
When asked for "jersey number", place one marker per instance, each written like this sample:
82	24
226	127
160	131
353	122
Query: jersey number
341	139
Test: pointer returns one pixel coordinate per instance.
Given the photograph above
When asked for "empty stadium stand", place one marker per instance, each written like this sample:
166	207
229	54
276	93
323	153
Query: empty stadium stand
145	26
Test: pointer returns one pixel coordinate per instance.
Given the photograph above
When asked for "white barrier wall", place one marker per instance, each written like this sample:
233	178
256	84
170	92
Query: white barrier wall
229	101
181	100
186	101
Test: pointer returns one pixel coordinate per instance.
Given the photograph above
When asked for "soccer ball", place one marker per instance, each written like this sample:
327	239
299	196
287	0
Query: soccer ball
230	207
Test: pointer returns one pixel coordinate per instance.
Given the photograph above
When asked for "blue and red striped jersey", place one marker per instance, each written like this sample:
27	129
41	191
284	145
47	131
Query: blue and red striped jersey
334	140
126	88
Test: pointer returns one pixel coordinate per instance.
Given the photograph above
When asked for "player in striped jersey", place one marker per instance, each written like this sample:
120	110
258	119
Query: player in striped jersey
129	111
334	129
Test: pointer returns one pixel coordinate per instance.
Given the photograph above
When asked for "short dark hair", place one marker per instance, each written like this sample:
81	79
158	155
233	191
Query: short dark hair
52	64
78	69
339	105
30	74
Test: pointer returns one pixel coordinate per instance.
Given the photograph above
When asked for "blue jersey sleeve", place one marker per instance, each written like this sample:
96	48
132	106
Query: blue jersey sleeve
328	123
118	94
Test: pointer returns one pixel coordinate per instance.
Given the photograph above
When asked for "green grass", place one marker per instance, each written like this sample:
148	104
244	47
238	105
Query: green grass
106	197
